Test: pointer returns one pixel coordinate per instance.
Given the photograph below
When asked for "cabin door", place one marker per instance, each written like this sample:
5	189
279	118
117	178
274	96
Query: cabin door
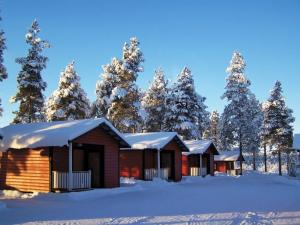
167	161
95	163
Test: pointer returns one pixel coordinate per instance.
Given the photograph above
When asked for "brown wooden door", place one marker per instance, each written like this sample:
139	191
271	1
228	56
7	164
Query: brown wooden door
95	164
167	161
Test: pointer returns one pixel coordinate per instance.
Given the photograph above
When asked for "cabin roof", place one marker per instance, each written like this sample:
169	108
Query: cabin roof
200	147
153	140
233	155
58	133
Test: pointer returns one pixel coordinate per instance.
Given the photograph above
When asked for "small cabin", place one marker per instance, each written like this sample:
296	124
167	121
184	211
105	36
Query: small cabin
156	154
228	162
199	160
60	156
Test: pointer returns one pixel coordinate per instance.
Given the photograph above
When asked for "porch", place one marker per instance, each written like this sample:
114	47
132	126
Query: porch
199	164
165	169
78	167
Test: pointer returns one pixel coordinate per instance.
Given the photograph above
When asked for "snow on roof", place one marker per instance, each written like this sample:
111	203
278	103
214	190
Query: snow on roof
197	146
151	140
232	155
296	143
57	133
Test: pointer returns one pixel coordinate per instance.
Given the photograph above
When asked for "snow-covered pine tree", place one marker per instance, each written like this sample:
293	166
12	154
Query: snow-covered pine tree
69	101
125	97
105	86
226	134
213	133
277	124
202	116
154	103
3	71
252	133
30	82
235	118
182	107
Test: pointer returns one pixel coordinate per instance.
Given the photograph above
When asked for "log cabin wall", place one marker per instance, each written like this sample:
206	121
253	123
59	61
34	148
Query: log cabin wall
25	170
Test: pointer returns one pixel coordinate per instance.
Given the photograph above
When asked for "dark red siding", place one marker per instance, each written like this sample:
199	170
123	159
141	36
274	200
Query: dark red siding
193	160
173	146
223	166
111	154
185	166
131	164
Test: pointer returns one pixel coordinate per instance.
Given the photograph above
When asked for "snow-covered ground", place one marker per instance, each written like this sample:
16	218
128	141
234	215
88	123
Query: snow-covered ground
250	199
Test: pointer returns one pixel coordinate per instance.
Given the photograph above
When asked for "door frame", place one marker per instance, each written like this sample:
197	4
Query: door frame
87	148
172	152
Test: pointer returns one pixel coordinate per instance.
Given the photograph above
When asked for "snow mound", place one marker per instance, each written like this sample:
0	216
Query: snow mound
127	181
100	193
11	194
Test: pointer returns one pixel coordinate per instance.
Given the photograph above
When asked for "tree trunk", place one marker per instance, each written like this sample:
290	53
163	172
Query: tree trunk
288	162
241	161
279	162
254	159
265	157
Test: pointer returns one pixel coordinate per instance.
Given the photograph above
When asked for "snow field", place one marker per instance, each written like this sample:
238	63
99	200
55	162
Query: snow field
254	198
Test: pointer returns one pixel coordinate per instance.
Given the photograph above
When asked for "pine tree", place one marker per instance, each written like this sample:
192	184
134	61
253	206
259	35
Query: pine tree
30	82
3	72
105	86
277	125
235	118
125	97
154	103
69	101
202	121
252	133
213	132
182	107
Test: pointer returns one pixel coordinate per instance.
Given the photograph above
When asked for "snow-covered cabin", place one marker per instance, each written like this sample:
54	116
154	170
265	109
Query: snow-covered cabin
227	160
199	161
62	155
140	161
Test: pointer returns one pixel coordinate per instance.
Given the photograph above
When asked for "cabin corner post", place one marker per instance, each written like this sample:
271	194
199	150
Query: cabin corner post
158	164
201	174
70	171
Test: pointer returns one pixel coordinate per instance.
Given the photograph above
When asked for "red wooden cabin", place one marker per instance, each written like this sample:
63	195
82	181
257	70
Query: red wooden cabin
64	155
140	161
199	161
227	162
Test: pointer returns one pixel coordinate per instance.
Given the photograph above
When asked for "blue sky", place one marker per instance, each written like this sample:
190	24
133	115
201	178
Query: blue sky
199	34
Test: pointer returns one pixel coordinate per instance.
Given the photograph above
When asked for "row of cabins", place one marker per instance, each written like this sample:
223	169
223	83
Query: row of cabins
84	154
